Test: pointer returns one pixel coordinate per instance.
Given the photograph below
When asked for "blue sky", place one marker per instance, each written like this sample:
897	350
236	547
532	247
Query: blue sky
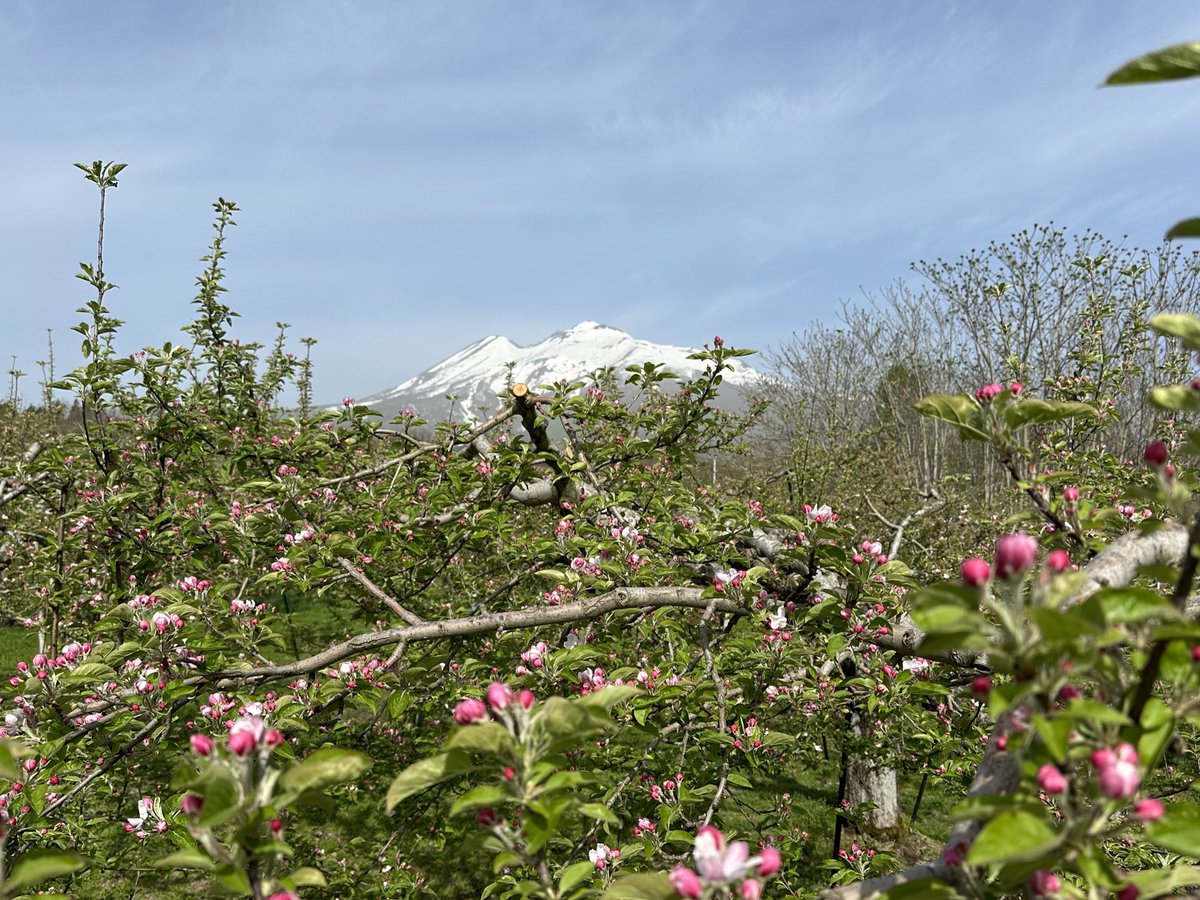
416	175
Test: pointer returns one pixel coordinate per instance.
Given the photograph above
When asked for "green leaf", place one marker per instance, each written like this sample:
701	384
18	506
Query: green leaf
329	765
1175	397
778	739
574	874
1132	604
307	876
645	886
1055	734
425	774
608	697
570	722
186	859
484	737
1181	325
479	797
233	878
1032	411
923	888
35	866
1179	830
957	409
1158	725
1013	836
1158	882
1177	61
220	793
1188	228
10	752
599	812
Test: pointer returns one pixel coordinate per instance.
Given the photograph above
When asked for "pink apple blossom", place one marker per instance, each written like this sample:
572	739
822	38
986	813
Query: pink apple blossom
1155	454
686	882
975	572
245	735
1058	561
202	744
769	862
1149	809
1117	771
499	696
1044	882
1015	555
1051	780
469	711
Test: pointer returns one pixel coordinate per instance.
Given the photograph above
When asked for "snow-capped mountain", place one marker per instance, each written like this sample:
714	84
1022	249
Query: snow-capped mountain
479	375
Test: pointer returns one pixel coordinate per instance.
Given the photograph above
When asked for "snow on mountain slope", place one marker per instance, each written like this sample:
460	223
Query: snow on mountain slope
478	375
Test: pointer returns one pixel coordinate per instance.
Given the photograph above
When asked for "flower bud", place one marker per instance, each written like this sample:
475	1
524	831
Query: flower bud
1155	454
1149	810
191	804
1058	561
1051	780
975	572
526	698
1015	555
202	744
1044	882
686	882
499	696
486	817
751	889
769	862
470	711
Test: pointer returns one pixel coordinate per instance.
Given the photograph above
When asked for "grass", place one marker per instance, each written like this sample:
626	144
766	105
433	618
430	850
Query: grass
16	644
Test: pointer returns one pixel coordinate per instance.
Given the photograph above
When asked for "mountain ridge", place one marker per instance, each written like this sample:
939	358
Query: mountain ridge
480	373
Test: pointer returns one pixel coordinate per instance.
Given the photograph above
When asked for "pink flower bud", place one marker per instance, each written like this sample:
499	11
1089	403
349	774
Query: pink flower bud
1118	777
751	889
988	392
975	572
1044	882
1130	891
273	739
470	711
1071	494
245	735
686	882
191	804
1051	780
284	895
981	686
769	862
499	696
1149	810
1155	454
276	826
241	743
1058	561
526	698
486	817
1015	554
202	744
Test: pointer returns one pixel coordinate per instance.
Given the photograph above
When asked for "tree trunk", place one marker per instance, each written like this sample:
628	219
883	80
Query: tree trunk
869	781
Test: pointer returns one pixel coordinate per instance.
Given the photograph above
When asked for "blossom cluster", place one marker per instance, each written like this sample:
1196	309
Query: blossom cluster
723	863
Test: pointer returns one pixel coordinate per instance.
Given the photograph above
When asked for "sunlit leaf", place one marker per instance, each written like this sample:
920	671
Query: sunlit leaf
1177	61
